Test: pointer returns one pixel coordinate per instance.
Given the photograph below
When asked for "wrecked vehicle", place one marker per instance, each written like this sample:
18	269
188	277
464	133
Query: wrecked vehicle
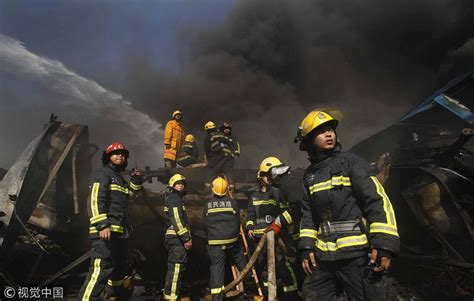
426	163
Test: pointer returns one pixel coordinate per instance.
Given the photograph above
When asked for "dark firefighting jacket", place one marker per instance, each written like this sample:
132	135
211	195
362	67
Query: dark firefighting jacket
108	201
176	218
262	210
234	145
219	144
345	210
291	194
188	154
222	220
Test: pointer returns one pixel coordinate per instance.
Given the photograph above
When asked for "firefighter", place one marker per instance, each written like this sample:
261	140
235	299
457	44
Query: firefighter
174	136
109	227
290	190
188	154
263	208
222	221
234	147
219	155
177	238
346	215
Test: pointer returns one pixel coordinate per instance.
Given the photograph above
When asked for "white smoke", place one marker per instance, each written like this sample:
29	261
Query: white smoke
74	90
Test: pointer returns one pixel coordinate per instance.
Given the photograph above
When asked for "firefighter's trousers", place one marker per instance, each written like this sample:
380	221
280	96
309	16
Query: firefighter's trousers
177	259
109	263
284	273
170	163
220	164
217	256
359	282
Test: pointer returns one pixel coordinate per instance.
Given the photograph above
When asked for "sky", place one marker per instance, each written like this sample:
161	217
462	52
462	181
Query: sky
122	67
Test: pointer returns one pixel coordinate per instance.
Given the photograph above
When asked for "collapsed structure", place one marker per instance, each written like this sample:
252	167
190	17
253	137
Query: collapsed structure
425	161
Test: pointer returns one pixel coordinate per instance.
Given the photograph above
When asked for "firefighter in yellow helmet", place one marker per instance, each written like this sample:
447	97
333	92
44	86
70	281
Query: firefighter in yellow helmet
339	195
188	154
173	138
177	236
290	194
263	208
222	222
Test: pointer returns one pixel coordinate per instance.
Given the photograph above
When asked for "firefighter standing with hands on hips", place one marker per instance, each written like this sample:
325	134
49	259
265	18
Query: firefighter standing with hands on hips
346	215
177	236
109	227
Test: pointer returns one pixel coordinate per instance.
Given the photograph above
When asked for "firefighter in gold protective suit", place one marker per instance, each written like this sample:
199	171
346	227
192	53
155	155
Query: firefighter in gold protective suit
222	221
263	208
177	238
173	138
109	227
346	215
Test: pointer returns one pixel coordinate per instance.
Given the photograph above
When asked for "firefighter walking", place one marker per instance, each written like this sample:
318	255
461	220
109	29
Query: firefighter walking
177	237
222	222
263	208
173	138
109	227
346	215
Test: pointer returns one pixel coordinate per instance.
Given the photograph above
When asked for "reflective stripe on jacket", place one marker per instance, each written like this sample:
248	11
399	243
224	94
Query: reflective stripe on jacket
222	220
262	209
174	136
176	217
339	188
108	201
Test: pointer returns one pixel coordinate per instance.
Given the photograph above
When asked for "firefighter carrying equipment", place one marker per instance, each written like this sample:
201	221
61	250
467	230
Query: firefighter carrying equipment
173	138
108	200
314	120
210	125
177	233
262	210
177	112
338	191
219	186
177	177
189	138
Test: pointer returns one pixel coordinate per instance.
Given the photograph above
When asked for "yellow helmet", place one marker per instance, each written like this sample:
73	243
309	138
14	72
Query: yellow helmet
177	177
313	120
268	163
219	186
209	125
189	138
177	112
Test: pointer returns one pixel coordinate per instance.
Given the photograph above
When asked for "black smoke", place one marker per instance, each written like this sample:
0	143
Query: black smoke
272	61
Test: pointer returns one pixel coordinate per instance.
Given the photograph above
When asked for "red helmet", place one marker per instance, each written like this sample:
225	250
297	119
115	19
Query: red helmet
116	146
226	125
